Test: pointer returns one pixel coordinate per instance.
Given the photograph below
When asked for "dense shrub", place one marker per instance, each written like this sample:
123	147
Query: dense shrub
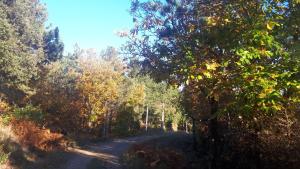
3	156
242	147
29	112
6	138
31	135
125	123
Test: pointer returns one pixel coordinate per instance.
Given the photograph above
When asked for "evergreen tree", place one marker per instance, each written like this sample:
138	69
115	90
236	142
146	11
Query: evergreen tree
21	39
53	47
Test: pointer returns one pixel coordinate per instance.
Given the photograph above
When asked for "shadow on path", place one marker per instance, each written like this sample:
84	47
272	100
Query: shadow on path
107	152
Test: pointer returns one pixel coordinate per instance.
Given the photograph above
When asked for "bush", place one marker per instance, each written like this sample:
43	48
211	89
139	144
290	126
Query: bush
3	156
4	109
29	112
31	135
125	123
5	119
6	138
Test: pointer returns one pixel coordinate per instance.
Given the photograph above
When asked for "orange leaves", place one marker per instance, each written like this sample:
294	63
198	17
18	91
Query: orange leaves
29	134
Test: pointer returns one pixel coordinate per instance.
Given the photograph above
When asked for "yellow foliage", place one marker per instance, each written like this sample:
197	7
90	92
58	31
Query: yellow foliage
4	106
227	20
212	66
207	74
199	77
211	21
192	27
137	94
269	26
99	85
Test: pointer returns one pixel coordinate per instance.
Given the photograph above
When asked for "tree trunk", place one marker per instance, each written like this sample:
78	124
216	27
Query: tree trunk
104	125
147	113
186	127
163	117
194	134
109	123
213	132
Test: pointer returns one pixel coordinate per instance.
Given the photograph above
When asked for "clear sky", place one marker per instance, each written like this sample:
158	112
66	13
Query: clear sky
89	23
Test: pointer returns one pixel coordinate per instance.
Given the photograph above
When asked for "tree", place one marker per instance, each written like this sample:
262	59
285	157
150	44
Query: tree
162	102
131	106
21	34
231	53
53	47
58	96
188	44
99	86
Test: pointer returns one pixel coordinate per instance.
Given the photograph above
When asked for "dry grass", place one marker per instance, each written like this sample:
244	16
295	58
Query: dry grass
27	146
6	138
31	135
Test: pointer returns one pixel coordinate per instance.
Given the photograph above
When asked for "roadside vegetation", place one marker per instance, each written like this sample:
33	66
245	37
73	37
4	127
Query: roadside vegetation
225	71
238	63
50	100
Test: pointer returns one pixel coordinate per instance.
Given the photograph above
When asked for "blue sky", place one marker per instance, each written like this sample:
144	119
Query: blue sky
89	23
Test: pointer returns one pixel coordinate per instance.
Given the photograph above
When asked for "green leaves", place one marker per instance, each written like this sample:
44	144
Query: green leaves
29	112
20	46
53	47
248	57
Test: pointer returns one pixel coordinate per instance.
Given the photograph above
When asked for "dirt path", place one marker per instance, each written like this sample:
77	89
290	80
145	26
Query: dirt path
107	152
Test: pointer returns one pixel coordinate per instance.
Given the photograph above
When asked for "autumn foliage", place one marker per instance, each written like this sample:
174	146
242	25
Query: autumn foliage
30	135
227	71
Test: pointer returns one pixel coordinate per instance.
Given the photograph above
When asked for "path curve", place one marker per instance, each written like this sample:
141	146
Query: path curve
108	152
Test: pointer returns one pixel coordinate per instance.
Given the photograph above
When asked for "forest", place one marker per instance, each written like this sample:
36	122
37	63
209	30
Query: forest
197	85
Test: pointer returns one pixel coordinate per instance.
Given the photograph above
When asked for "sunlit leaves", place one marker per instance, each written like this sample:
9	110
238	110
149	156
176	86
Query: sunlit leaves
20	42
212	66
296	1
271	25
207	74
99	85
211	21
135	95
236	50
199	77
